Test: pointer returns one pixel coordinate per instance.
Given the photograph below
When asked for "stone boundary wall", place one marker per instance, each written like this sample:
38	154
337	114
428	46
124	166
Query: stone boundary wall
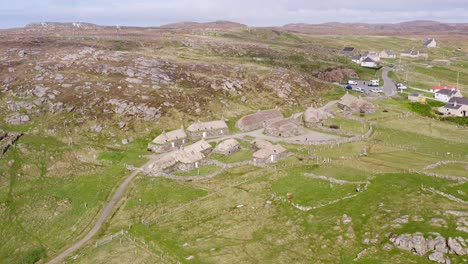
444	162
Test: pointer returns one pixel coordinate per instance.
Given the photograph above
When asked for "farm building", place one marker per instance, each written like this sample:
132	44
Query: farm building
387	54
207	129
416	97
430	43
288	127
258	120
445	95
314	116
348	51
227	147
456	106
268	153
168	141
354	104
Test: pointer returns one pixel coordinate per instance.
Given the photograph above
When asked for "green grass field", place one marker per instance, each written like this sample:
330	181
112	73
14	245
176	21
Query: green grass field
53	185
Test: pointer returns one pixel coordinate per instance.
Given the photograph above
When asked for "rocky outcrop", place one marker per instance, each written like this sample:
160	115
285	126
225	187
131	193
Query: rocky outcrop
17	119
439	246
337	75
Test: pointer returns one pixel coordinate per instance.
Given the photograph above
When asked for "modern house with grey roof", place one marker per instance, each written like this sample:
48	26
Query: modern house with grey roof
445	95
209	129
456	106
368	62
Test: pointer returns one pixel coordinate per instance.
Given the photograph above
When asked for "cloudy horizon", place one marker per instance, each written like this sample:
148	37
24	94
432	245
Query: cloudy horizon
253	12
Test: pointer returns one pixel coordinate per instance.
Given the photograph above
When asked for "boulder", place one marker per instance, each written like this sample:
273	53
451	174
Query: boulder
437	257
17	119
455	247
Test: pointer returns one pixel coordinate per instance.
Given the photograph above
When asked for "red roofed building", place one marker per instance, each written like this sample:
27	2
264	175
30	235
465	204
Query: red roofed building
441	87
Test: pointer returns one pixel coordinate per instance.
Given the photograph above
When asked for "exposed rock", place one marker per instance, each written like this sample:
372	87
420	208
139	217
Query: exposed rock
122	125
455	247
40	91
440	245
438	222
337	75
347	219
134	80
437	257
402	220
387	247
96	128
9	80
17	119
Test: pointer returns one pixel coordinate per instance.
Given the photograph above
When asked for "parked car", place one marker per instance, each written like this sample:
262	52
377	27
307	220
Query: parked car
349	87
358	89
373	83
352	82
377	90
391	65
401	86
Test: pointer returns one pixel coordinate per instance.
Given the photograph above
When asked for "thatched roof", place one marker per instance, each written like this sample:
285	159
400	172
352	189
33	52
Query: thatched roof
257	120
314	115
267	152
206	126
170	136
227	145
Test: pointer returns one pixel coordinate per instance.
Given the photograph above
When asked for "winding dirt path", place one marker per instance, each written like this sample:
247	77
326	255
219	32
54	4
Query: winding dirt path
102	218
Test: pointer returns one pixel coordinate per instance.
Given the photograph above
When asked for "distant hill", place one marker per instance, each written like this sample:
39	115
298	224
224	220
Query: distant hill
64	25
411	27
220	24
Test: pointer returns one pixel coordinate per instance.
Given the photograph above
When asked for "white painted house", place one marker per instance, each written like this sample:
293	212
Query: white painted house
455	107
387	54
445	95
430	43
371	54
369	63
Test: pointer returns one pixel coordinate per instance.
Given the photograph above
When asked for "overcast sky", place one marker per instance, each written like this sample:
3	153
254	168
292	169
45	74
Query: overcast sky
14	13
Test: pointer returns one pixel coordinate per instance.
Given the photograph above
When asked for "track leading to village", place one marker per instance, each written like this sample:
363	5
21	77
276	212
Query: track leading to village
109	208
102	218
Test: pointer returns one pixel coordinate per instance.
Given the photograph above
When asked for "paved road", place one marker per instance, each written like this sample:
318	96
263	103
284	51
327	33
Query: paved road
389	86
102	218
